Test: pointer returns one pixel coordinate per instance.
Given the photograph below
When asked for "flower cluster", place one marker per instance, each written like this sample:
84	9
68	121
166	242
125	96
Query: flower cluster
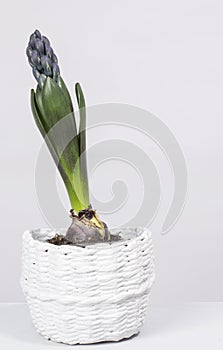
42	58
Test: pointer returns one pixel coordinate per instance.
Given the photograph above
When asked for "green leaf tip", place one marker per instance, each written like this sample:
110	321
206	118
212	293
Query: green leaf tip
82	139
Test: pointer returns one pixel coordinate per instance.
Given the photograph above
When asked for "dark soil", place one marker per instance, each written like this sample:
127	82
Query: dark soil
61	240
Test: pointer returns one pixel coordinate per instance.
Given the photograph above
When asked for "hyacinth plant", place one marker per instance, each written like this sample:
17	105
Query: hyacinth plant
53	112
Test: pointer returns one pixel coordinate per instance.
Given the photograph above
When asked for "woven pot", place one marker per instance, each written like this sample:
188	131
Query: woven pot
86	295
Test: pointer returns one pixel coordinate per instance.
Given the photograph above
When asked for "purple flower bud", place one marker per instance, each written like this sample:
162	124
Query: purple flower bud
46	65
45	40
41	80
32	40
48	51
39	46
29	52
56	71
35	60
36	73
37	33
54	58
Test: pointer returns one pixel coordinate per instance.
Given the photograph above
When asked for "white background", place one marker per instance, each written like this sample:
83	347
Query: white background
163	56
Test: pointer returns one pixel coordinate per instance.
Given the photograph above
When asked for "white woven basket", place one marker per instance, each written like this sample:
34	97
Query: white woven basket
86	295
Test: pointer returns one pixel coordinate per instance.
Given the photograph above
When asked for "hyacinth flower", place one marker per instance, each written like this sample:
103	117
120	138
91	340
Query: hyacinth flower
53	112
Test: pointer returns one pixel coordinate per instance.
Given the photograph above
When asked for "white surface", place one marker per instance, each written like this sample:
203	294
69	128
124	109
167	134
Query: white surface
164	56
169	327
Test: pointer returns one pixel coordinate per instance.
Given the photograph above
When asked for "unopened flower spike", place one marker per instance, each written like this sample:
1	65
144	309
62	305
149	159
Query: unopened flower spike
42	58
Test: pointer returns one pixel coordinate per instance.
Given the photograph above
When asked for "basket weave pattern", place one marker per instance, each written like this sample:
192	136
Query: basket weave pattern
87	295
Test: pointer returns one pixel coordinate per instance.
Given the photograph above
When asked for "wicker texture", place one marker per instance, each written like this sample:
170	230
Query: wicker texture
87	295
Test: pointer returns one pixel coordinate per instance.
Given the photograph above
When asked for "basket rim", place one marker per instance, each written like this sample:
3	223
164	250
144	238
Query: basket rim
138	233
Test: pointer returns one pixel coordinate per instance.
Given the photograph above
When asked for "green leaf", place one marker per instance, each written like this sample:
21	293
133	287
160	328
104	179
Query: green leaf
53	112
82	140
69	186
36	113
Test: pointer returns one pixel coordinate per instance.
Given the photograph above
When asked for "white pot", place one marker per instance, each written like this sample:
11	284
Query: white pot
86	295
